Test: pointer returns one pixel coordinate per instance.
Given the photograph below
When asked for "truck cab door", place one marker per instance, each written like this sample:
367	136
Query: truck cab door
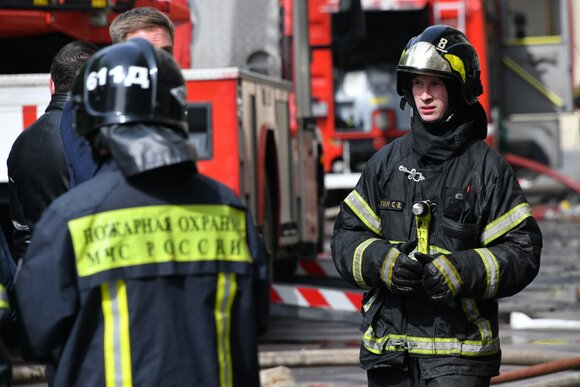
535	75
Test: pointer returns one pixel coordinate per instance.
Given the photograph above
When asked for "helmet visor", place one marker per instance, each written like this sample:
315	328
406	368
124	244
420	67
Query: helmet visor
423	58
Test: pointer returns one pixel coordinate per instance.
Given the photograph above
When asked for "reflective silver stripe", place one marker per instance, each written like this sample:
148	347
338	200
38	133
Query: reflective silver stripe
450	274
369	303
491	272
363	211
474	316
436	249
388	265
428	345
357	262
451	346
505	223
116	334
370	342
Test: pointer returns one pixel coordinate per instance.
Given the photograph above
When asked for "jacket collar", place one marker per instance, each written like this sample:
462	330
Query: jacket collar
138	147
57	101
444	141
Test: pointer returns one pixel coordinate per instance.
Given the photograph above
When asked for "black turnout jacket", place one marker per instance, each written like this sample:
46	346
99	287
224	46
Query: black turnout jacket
158	279
481	219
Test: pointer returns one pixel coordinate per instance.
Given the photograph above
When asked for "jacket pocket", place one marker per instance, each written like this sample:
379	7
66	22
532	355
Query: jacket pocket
450	321
384	315
460	236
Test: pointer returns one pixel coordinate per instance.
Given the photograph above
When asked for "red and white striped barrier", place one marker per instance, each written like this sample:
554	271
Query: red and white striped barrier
311	297
322	267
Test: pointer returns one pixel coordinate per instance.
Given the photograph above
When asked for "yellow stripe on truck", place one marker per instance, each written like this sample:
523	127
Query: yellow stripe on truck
158	234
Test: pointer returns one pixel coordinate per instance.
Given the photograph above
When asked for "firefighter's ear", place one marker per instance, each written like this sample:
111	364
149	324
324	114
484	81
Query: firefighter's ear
51	86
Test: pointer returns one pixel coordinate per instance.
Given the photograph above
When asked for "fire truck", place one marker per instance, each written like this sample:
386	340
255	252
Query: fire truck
525	52
248	101
310	86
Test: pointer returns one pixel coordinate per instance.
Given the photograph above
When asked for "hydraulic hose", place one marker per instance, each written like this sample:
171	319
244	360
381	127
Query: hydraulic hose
523	162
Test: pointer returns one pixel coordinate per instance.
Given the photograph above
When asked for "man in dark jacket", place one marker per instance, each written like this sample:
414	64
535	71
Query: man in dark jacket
437	229
5	365
141	22
148	274
6	276
37	167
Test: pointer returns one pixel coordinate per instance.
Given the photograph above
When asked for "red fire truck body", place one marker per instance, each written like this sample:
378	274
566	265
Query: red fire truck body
252	130
87	20
525	51
349	44
332	62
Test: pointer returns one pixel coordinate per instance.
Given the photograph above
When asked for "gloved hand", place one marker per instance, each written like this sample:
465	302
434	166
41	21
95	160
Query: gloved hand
401	274
441	278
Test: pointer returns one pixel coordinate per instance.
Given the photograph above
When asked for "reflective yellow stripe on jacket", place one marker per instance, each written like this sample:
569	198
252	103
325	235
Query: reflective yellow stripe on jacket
158	234
118	371
4	303
450	274
388	266
491	272
226	293
363	211
366	215
505	223
428	345
358	260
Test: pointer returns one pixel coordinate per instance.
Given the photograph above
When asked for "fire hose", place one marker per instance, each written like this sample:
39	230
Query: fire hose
542	363
349	356
538	370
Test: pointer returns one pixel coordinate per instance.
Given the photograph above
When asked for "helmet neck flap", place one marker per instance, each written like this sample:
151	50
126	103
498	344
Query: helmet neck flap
138	148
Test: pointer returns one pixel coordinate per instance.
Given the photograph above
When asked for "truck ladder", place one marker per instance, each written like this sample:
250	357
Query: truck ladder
450	12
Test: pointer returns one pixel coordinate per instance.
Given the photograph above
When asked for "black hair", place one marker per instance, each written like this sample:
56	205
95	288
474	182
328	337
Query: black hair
67	63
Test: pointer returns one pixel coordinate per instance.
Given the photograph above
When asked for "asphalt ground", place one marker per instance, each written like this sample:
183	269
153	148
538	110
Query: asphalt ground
552	297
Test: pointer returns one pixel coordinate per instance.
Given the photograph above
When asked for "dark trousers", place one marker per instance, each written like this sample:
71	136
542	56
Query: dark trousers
5	367
387	376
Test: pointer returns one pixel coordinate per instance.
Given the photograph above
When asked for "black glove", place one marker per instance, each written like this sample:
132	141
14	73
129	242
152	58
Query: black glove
401	274
441	278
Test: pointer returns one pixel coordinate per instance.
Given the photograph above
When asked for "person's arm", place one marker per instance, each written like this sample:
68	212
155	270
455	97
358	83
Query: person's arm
360	253
508	258
21	228
8	267
77	150
45	285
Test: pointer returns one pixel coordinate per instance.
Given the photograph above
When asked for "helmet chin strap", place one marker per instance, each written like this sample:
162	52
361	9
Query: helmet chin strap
402	103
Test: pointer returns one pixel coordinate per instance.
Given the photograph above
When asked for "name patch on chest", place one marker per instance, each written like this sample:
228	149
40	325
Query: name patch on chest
393	205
